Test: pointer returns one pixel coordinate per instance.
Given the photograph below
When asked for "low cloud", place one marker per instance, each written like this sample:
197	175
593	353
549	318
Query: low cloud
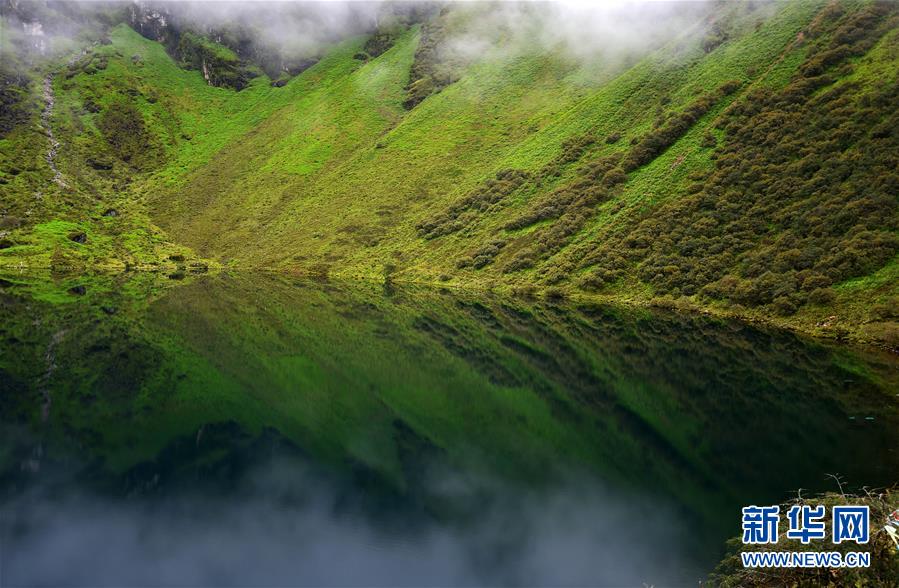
284	524
586	30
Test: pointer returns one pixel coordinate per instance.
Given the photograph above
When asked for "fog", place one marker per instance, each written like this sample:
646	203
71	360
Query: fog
585	30
288	524
582	29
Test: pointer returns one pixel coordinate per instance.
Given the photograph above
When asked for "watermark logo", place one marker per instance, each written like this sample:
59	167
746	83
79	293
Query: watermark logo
806	524
760	524
850	523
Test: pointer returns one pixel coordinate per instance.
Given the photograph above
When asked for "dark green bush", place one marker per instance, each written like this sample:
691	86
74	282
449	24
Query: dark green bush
123	127
482	256
460	214
822	296
432	68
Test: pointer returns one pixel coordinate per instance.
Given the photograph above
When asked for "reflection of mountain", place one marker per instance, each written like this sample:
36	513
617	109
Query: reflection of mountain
710	415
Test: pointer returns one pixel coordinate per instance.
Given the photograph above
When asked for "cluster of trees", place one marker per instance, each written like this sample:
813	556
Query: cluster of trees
14	95
433	68
583	192
17	102
674	127
378	43
717	35
483	255
220	66
123	127
465	211
572	150
802	196
578	198
391	26
88	64
571	206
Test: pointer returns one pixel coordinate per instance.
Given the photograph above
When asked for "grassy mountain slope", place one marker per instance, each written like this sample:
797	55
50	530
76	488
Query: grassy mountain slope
637	178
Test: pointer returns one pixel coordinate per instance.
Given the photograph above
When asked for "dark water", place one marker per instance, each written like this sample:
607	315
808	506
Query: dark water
252	430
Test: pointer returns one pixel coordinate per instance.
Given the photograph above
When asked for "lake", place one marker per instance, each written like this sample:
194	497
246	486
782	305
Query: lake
260	430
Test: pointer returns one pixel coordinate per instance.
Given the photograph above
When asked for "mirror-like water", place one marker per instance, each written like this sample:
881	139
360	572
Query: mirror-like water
257	430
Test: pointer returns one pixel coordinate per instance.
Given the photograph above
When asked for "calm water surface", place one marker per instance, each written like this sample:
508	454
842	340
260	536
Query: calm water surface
254	430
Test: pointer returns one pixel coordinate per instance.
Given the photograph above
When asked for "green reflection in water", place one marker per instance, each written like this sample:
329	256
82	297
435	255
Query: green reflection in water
149	386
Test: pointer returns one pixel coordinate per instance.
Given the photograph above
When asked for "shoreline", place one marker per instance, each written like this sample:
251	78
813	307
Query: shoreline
845	333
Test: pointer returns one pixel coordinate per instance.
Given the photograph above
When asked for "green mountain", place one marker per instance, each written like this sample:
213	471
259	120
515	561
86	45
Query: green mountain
745	163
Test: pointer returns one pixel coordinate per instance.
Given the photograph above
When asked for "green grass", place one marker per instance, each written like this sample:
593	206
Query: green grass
330	173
